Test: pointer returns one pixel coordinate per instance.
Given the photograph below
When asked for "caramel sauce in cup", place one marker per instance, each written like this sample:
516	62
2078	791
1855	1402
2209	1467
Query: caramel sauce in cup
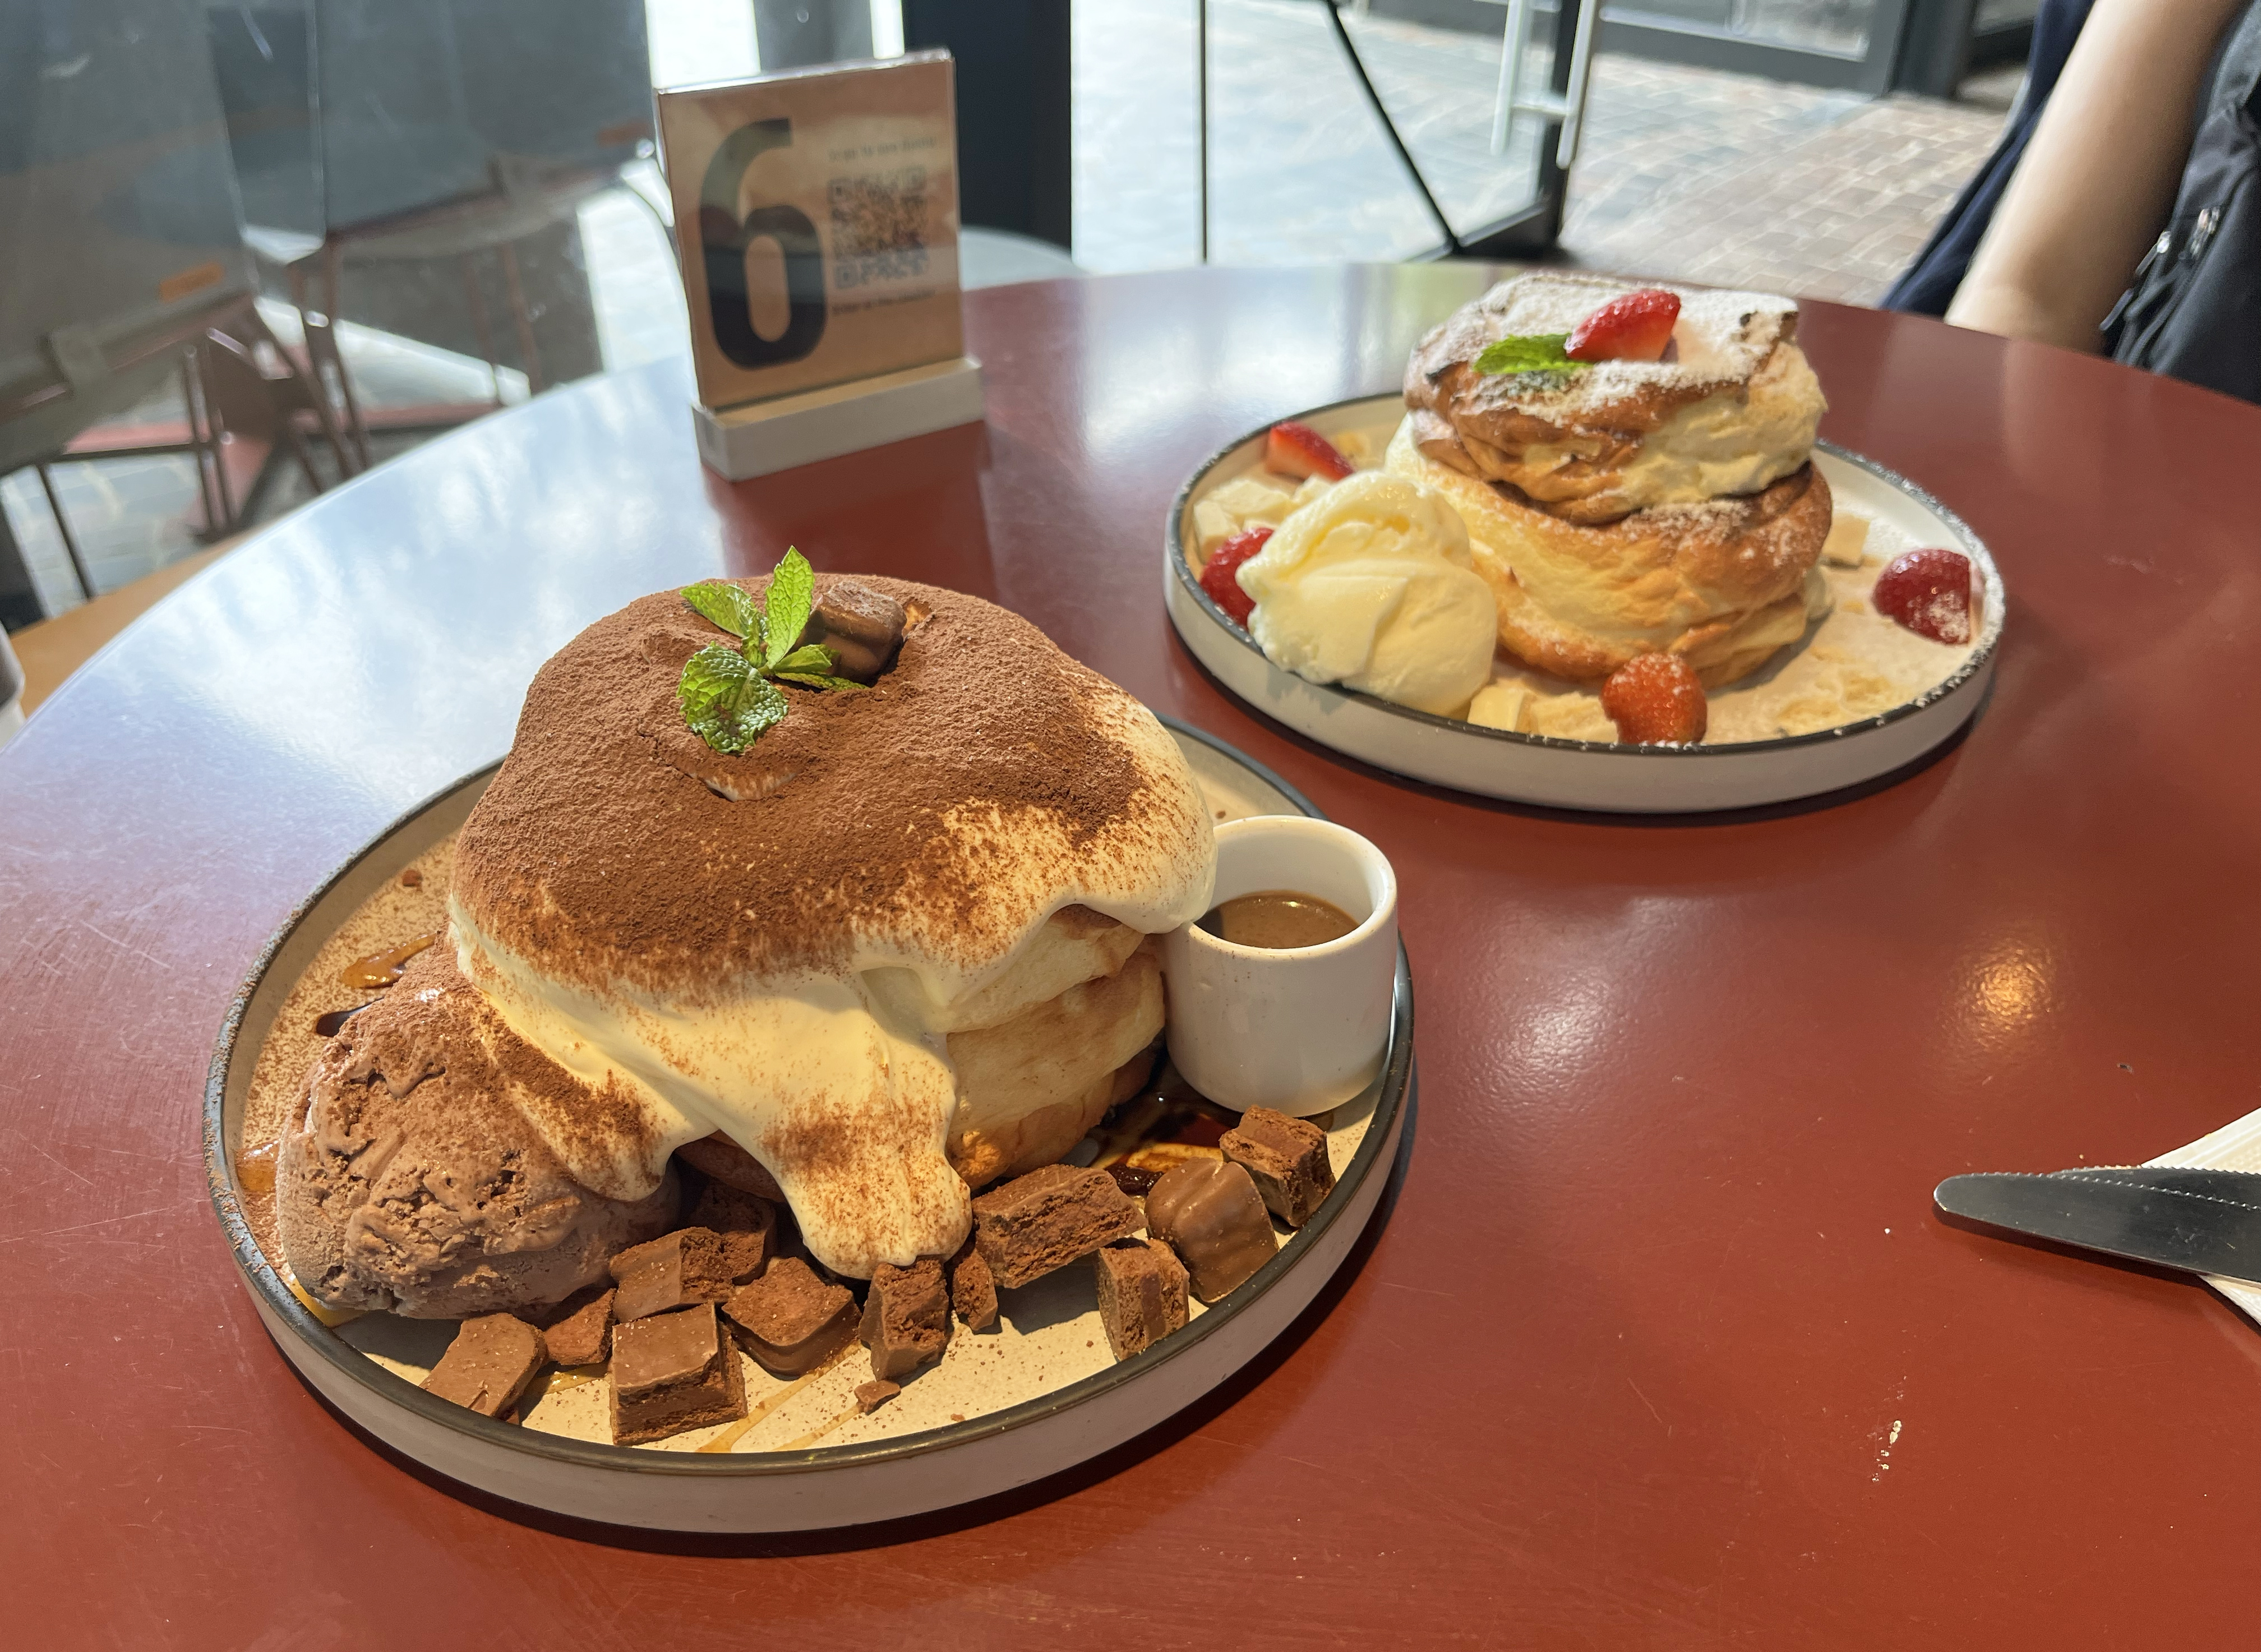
1281	995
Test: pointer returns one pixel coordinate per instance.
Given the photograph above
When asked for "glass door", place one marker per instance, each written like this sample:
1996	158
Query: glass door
1853	43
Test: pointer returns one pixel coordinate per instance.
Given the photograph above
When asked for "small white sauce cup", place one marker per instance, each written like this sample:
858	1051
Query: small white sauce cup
1298	1029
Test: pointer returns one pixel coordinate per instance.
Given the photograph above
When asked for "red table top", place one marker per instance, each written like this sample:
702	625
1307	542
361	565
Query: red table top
1659	1344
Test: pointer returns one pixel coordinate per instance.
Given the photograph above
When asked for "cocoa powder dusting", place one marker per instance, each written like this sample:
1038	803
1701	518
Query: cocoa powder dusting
615	846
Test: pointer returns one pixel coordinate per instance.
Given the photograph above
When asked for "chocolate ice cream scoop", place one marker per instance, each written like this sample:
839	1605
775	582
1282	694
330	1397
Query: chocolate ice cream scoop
409	1182
1208	1210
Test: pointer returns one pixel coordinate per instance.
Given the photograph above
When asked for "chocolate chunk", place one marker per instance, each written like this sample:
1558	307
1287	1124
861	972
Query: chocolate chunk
1132	1179
790	1320
746	1225
1209	1213
579	1329
673	1371
412	879
972	1287
862	627
872	1395
717	1156
488	1365
1142	1294
1287	1157
906	1318
676	1268
1047	1219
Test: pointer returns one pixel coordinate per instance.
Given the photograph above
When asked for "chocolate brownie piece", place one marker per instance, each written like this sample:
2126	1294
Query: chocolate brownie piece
1208	1210
906	1318
872	1395
746	1225
579	1329
672	1372
671	1271
973	1289
1142	1294
1285	1157
488	1365
1047	1219
789	1320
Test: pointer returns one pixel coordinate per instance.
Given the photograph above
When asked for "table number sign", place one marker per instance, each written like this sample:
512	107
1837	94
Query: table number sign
816	221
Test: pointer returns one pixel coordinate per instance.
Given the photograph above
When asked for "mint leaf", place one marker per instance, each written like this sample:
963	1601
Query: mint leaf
1527	352
813	680
787	602
726	702
727	606
809	656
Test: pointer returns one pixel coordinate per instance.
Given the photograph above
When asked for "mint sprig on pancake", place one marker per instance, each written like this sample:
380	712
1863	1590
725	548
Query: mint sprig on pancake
728	694
1527	352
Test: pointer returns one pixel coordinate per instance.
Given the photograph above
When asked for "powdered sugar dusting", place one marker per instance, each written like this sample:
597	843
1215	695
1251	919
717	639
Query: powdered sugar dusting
1719	339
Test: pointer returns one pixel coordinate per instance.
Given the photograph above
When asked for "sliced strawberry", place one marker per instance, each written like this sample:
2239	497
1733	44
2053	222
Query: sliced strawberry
1217	579
1294	449
1929	592
1633	328
1655	700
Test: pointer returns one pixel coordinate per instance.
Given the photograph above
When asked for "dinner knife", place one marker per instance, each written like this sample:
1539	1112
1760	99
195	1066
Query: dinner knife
2204	1220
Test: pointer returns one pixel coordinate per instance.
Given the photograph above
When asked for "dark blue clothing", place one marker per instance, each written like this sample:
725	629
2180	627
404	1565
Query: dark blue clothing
1928	285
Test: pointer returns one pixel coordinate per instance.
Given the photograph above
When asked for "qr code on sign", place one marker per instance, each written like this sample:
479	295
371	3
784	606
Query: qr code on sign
878	226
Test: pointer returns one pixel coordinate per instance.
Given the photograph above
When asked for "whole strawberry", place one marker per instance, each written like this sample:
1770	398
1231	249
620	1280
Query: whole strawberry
1633	328
1655	700
1217	575
1929	592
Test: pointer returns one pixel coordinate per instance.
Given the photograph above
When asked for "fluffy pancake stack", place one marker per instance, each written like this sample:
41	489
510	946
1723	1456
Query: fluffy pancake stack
1626	507
895	948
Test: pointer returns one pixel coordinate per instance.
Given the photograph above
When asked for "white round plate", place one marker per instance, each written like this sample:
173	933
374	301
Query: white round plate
1095	1406
1529	768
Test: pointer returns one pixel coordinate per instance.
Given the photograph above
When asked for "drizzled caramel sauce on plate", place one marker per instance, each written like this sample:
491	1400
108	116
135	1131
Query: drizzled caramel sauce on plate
382	969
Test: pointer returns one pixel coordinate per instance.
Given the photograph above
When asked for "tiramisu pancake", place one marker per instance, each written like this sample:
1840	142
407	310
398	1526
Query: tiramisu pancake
1633	466
893	948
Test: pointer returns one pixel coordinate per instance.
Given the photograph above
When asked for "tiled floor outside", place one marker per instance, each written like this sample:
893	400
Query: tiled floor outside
1686	173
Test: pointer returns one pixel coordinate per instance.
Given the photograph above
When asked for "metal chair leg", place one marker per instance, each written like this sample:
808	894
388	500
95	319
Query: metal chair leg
70	541
478	303
509	256
333	259
199	440
216	427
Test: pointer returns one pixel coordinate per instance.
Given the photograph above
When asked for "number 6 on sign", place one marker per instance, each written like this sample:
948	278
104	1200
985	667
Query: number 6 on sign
725	239
850	173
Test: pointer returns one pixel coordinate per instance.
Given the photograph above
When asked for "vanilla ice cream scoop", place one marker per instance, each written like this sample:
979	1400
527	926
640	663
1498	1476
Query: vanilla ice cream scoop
1371	586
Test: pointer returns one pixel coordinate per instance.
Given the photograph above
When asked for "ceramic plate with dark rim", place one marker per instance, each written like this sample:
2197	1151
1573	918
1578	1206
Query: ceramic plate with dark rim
1000	1410
1594	773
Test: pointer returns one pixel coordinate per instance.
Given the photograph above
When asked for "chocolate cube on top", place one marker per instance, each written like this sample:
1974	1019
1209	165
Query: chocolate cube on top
790	1320
1047	1219
1288	1159
579	1329
670	1372
1142	1294
671	1271
861	627
906	1318
489	1364
1208	1210
746	1225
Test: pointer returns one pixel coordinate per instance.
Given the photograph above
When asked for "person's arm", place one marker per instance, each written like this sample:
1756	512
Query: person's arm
2099	176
